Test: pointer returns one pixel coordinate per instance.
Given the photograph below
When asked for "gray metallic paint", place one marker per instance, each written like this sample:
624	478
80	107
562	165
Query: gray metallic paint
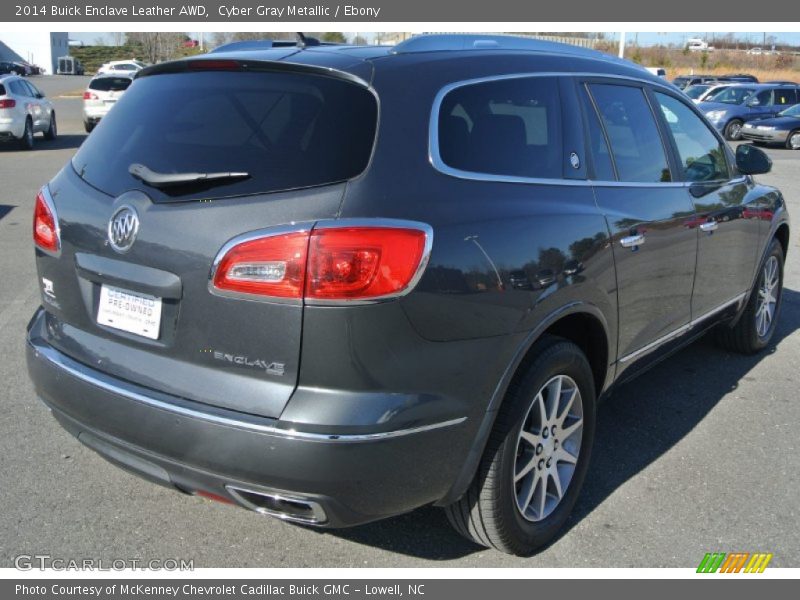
510	259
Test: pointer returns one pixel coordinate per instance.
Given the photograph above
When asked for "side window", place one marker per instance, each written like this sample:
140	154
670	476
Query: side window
601	155
763	98
632	132
18	89
32	91
702	156
504	127
785	97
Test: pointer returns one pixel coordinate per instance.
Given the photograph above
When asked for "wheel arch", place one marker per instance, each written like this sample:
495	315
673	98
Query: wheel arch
782	235
581	323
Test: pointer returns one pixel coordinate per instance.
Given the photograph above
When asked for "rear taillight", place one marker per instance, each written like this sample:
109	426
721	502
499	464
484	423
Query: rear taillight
267	266
331	263
9	103
45	224
90	96
362	262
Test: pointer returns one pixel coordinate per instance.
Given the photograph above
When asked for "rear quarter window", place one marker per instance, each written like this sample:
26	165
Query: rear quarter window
506	127
2	90
286	130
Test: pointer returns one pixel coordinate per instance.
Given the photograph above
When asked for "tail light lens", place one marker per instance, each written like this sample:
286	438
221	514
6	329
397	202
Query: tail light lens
327	264
9	103
266	266
362	262
90	96
45	225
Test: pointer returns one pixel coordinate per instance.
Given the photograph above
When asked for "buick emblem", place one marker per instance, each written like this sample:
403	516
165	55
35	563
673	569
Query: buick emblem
122	228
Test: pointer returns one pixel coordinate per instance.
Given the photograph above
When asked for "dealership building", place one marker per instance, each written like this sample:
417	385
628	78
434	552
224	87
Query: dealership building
38	48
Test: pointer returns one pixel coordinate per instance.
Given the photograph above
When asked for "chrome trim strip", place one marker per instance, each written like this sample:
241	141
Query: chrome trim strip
433	135
248	422
48	200
681	330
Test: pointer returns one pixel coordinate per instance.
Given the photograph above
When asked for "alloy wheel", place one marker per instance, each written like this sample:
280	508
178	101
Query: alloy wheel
767	296
548	447
794	141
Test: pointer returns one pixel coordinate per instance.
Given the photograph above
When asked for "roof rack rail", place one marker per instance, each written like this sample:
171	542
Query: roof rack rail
455	42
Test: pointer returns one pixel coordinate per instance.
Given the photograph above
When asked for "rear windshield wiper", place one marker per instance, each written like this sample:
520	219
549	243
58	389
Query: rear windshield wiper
168	180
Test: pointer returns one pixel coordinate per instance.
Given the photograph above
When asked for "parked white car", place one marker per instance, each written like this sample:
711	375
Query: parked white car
698	45
101	95
24	111
121	67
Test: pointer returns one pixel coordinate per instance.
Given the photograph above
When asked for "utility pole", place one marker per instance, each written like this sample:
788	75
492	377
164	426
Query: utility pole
622	44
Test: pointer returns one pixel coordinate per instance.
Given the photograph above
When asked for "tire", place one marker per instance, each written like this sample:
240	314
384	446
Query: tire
88	126
52	131
793	140
26	141
733	130
489	513
755	328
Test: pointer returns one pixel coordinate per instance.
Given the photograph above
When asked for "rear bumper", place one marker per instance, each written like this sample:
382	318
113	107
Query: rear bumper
93	115
11	128
347	479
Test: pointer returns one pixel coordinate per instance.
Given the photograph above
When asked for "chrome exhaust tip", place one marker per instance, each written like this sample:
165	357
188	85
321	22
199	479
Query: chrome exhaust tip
277	504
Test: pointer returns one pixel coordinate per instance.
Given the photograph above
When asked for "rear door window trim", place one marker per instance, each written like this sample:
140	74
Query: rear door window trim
438	164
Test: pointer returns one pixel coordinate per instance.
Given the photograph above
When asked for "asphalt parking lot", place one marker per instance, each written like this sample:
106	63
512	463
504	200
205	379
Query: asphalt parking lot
699	455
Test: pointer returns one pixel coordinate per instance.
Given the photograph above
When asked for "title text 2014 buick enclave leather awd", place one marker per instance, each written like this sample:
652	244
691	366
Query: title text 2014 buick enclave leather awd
333	284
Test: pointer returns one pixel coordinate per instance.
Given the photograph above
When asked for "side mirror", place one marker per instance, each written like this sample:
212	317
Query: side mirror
751	160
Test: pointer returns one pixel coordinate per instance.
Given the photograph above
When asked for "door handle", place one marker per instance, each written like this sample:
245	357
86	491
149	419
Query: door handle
709	226
632	241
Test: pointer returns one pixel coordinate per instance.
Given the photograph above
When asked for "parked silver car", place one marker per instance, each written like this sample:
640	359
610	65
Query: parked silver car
24	111
101	95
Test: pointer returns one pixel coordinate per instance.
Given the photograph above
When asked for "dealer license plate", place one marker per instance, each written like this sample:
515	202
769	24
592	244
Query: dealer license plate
129	311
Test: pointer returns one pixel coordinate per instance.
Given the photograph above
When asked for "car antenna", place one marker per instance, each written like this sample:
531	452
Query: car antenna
304	42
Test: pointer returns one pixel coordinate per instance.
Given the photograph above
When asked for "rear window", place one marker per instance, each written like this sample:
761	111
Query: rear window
110	84
506	127
286	130
2	90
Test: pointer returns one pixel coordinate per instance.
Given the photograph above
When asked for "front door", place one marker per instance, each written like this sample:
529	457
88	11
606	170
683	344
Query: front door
726	225
647	213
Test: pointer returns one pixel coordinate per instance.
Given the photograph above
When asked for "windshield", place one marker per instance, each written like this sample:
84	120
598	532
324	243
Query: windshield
734	95
286	130
695	91
713	93
793	111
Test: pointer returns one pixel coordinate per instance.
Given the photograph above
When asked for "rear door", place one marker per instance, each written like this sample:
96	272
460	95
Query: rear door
647	212
285	130
728	232
784	98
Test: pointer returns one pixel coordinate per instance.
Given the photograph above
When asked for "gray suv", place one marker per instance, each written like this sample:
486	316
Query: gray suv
332	284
